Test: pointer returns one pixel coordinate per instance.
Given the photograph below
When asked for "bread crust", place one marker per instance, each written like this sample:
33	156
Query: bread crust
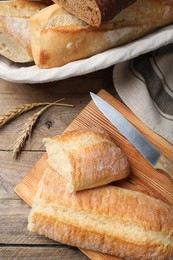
86	159
15	41
20	9
58	37
107	219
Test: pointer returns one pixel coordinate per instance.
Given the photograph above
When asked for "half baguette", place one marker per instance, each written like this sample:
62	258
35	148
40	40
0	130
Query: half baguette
15	41
108	219
59	37
86	159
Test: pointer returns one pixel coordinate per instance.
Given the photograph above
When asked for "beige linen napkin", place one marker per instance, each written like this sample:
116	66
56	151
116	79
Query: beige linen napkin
145	84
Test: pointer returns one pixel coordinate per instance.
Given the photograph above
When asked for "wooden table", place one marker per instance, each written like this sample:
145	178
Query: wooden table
15	240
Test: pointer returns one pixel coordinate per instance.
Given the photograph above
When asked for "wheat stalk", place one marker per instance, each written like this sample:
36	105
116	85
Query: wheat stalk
22	109
28	126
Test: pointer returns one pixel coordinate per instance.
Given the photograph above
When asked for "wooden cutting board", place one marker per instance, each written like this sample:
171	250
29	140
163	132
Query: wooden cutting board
142	178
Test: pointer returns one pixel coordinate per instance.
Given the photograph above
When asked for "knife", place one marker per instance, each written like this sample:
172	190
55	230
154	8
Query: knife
148	151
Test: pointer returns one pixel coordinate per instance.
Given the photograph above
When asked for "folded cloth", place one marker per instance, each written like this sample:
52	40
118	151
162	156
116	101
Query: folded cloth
145	85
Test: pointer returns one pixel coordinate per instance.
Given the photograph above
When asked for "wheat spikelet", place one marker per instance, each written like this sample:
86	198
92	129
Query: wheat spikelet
28	126
12	114
18	111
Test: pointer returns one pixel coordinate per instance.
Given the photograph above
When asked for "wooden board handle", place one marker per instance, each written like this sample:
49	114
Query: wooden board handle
165	166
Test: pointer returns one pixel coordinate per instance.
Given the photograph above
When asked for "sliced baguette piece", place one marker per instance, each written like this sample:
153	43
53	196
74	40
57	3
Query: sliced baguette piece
86	159
94	12
108	219
58	37
15	41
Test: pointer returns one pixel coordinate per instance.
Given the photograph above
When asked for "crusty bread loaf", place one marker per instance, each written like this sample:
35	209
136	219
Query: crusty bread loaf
109	219
58	37
86	159
20	8
94	12
15	41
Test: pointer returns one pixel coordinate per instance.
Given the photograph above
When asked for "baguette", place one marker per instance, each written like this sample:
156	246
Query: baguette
94	12
108	219
58	37
15	41
86	159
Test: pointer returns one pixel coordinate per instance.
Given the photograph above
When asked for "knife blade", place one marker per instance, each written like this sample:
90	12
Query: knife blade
148	150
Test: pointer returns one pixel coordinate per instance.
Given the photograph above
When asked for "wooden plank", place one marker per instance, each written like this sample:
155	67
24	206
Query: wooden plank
13	94
95	80
98	256
13	211
142	178
13	224
56	119
40	253
50	123
12	171
13	230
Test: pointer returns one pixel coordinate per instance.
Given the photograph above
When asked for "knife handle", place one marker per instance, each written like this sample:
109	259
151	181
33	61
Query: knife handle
165	166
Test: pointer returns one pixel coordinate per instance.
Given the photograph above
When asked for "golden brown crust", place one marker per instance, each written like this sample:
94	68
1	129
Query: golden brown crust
108	219
87	159
14	29
59	37
20	8
117	205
